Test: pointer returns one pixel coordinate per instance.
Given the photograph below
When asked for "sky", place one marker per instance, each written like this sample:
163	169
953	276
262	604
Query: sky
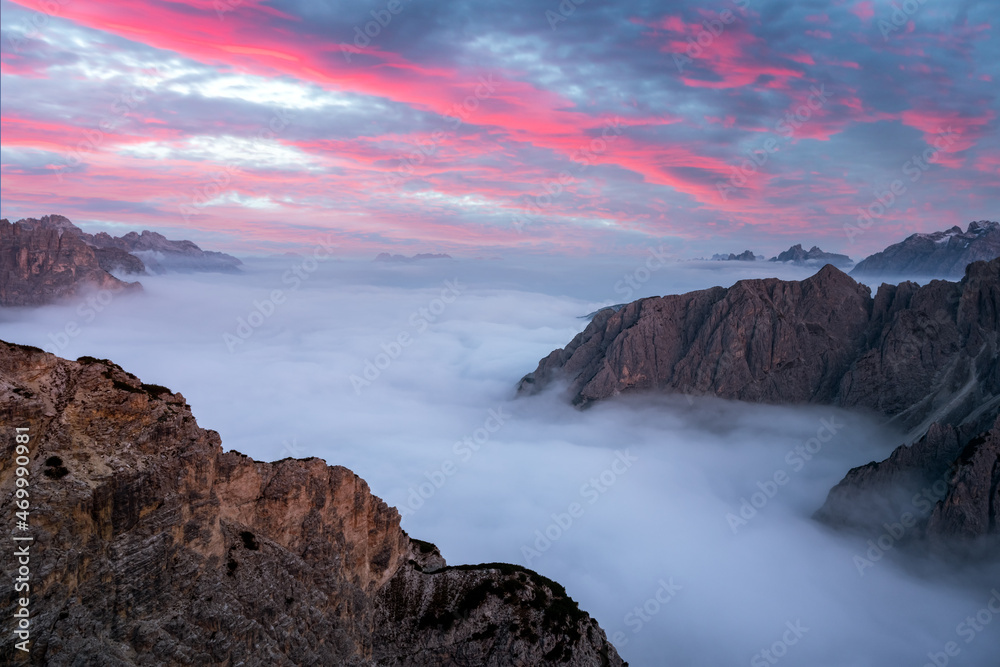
436	431
578	128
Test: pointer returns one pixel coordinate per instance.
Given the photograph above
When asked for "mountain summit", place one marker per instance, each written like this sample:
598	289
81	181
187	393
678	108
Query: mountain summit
159	548
939	254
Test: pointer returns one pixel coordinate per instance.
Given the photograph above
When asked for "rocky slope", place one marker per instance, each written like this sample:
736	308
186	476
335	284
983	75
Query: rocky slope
940	254
943	491
152	546
160	254
42	263
116	260
796	255
918	354
924	356
49	259
136	252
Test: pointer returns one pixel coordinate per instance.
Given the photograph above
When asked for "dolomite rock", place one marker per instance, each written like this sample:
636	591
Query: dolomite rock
940	254
916	354
944	488
924	356
153	546
42	264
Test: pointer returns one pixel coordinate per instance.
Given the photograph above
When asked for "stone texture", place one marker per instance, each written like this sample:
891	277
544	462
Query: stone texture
41	263
917	354
948	481
971	507
924	356
940	254
116	260
760	340
153	546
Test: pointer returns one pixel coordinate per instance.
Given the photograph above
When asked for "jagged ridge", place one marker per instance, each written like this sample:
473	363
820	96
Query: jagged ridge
40	264
156	547
909	353
940	254
924	356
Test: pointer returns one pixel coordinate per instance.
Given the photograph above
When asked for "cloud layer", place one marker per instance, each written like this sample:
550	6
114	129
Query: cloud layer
683	526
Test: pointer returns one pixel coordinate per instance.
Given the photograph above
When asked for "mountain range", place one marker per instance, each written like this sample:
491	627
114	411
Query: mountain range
923	356
49	259
942	254
796	255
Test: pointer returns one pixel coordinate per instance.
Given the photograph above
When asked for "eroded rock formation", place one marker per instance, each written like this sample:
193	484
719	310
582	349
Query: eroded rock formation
160	254
942	491
49	259
41	263
925	356
153	546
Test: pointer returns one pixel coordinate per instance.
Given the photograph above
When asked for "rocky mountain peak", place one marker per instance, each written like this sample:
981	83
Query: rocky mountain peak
814	255
161	548
924	356
942	254
47	260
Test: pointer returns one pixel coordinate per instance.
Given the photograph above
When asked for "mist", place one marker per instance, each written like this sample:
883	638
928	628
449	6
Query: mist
681	523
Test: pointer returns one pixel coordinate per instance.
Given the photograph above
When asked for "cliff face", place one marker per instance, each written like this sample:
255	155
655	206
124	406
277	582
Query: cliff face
919	354
760	340
153	546
944	489
942	254
160	254
116	260
924	356
732	341
50	258
40	264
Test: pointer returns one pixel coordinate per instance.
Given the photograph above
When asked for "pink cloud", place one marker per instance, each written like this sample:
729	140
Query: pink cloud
864	10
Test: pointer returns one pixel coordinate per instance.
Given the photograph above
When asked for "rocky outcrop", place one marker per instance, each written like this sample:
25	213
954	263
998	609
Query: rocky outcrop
761	340
971	506
153	546
796	255
41	264
116	260
613	308
160	254
917	354
939	255
942	492
925	356
136	252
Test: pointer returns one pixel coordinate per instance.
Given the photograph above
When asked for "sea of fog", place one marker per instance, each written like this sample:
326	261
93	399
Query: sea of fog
682	524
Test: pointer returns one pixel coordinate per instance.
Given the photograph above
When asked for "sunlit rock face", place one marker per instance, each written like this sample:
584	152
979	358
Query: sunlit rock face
161	548
43	262
50	259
